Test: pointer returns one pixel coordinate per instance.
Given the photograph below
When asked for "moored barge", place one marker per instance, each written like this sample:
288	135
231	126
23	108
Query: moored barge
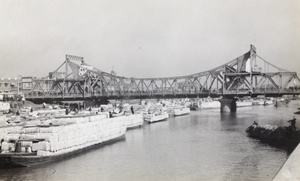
60	137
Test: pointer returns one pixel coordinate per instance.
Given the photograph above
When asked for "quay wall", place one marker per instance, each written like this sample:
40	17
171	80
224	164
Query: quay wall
291	168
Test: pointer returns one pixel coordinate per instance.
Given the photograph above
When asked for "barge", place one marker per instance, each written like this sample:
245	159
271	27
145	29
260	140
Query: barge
180	111
60	137
151	118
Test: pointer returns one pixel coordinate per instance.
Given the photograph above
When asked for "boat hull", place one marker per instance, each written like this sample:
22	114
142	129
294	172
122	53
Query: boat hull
274	135
13	160
156	118
181	112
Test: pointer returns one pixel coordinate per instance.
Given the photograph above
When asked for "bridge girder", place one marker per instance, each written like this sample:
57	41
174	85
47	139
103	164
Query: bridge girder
237	77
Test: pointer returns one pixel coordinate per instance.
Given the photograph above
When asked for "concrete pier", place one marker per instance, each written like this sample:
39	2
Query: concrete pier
291	168
228	104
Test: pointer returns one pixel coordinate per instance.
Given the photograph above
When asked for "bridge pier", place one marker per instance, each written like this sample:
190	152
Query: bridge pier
228	105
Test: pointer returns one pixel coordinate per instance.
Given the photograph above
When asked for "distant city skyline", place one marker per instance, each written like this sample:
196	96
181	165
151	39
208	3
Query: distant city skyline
145	38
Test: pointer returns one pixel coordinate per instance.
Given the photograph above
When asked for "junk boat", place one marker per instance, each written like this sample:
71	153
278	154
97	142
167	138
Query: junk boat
38	141
277	135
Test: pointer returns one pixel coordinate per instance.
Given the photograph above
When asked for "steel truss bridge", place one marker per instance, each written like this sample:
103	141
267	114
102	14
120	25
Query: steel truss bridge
246	75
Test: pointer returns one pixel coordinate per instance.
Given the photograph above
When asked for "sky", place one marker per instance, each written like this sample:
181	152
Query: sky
145	38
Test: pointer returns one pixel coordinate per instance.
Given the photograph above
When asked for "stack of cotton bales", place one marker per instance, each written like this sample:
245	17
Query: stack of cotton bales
69	137
133	120
9	135
65	134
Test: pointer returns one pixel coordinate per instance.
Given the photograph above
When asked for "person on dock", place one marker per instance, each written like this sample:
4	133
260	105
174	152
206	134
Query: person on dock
293	123
67	111
132	111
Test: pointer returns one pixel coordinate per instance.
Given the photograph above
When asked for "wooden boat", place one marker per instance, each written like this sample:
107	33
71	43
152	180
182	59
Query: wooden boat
62	137
180	111
156	117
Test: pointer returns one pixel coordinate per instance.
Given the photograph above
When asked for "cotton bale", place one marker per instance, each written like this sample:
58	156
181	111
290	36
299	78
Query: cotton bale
23	149
43	153
26	143
4	146
11	137
46	130
28	136
31	130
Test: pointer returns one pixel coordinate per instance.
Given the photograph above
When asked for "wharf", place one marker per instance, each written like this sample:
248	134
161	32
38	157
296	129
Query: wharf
291	168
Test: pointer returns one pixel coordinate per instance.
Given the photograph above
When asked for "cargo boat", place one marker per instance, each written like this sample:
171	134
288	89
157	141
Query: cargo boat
15	160
151	118
61	137
180	111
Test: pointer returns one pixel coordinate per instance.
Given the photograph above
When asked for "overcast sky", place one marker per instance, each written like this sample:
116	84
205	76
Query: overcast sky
146	38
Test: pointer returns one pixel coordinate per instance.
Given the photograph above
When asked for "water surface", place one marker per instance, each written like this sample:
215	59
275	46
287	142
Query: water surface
205	145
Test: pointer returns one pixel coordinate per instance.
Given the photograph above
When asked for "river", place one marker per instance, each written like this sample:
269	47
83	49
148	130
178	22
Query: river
204	145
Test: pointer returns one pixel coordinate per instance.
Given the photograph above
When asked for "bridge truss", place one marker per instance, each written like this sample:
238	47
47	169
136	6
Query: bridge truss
248	74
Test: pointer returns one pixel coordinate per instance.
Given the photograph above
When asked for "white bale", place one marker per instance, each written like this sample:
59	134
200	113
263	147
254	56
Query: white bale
23	149
11	137
28	136
31	130
33	123
26	143
4	146
43	153
46	130
46	122
53	146
43	136
28	150
15	129
42	145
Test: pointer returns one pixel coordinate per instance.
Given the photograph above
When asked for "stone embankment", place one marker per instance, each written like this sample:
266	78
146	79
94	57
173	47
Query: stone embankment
290	171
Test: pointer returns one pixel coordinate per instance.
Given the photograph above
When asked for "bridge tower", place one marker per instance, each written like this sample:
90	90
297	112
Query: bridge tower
235	77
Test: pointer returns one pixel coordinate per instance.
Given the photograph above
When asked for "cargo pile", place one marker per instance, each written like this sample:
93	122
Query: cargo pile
65	133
